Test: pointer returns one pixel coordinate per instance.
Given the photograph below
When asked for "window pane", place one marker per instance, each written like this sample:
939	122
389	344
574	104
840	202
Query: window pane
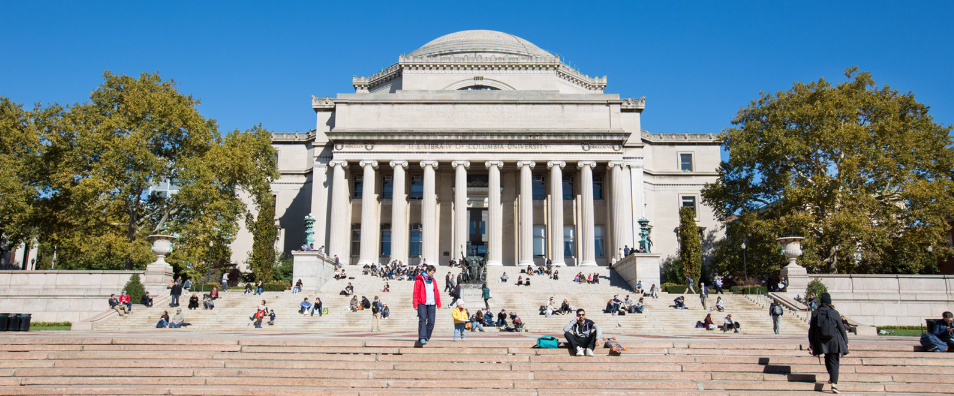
568	241
356	192
415	247
417	187
567	190
539	240
539	188
386	241
685	162
388	190
355	239
598	246
597	187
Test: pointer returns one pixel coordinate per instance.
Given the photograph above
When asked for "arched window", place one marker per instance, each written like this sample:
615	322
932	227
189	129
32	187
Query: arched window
478	88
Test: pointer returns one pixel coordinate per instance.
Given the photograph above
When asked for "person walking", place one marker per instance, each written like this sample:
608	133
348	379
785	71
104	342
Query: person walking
718	285
376	308
486	297
426	300
455	293
225	281
703	296
689	283
449	282
827	336
776	311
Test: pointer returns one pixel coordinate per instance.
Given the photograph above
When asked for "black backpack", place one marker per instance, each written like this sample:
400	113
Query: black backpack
826	326
374	307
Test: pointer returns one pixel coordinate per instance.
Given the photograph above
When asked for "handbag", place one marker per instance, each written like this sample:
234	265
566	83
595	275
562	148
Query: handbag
548	342
467	326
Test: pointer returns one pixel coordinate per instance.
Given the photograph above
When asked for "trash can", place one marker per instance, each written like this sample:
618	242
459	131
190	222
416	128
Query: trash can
25	322
4	319
13	324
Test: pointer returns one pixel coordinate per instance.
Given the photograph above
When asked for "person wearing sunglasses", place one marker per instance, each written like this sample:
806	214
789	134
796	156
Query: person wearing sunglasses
582	333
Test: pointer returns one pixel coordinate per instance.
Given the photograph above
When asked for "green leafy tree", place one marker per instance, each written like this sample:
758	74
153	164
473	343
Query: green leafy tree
762	253
862	172
815	288
690	244
264	234
19	146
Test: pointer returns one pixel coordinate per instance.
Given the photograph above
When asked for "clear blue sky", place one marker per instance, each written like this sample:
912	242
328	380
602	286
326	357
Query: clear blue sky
697	62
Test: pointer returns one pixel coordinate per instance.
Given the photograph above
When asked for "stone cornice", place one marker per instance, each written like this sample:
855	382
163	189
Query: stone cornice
478	63
322	104
495	135
706	138
293	136
630	104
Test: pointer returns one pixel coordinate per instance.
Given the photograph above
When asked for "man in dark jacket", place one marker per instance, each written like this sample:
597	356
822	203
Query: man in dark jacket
582	334
827	335
175	292
455	293
776	311
944	328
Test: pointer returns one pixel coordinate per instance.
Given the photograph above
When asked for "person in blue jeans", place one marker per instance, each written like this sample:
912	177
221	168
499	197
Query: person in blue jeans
426	300
177	319
258	288
944	329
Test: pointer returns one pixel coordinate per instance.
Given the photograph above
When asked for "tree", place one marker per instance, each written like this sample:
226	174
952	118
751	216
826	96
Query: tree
862	172
19	144
264	234
134	288
690	244
762	253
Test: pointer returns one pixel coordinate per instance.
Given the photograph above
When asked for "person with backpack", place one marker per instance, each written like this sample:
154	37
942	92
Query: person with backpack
775	310
376	309
485	294
940	337
827	336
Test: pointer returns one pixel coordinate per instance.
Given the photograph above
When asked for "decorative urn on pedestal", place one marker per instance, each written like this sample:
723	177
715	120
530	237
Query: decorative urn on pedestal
796	275
159	273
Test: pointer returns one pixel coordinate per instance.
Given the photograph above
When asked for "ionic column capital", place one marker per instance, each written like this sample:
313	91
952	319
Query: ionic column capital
551	164
431	163
583	164
465	164
341	163
521	164
498	164
620	164
372	163
397	163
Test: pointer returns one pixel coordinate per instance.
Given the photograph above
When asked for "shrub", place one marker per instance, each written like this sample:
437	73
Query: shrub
745	289
815	288
675	289
276	286
134	289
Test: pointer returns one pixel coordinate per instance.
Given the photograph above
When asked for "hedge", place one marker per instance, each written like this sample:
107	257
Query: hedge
276	286
745	289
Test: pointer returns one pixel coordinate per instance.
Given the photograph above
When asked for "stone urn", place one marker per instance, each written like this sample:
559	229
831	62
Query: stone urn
159	273
162	246
795	274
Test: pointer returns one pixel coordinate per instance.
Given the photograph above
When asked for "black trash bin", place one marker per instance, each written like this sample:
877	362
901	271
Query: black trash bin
4	319
25	322
13	324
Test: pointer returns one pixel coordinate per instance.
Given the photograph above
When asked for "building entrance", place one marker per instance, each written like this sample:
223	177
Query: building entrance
477	242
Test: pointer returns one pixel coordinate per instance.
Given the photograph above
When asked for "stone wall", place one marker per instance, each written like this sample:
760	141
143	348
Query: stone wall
59	296
638	267
889	300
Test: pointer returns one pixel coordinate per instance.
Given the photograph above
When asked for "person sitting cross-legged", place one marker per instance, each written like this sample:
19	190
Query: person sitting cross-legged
114	304
581	334
146	300
177	319
502	318
680	302
305	307
720	305
639	306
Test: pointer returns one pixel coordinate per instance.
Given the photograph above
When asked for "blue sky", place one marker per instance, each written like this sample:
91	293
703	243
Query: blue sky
696	62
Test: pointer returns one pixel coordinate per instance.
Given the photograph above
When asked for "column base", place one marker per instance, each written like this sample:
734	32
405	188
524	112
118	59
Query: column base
524	263
363	262
494	263
588	264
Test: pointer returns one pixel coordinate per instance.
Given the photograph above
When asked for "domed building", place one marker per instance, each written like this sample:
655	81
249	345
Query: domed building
481	143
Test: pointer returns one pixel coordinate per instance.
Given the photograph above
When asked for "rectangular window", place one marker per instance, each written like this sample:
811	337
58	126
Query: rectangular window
355	239
685	162
356	191
539	188
417	187
385	239
597	187
569	247
598	235
387	191
539	240
416	237
568	188
689	202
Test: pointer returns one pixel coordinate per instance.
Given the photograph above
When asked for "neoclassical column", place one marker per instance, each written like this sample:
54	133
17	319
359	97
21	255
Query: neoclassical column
319	203
429	215
588	245
526	213
399	227
369	215
622	208
495	216
340	230
638	192
460	208
556	212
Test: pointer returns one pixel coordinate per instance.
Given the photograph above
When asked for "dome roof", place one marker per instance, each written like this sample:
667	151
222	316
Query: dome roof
484	41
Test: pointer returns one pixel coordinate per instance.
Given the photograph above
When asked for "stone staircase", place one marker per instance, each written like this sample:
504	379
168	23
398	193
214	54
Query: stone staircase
234	308
194	363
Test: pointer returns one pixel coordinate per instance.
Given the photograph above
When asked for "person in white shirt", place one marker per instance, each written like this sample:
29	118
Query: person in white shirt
720	305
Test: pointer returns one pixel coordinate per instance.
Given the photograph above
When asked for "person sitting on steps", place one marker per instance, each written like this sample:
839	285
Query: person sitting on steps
581	334
305	306
640	306
146	300
207	302
194	301
729	323
248	288
504	277
177	320
680	302
114	304
502	318
565	307
520	281
720	305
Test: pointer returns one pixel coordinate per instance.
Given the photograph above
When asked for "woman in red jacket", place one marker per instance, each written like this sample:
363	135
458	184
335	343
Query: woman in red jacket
426	300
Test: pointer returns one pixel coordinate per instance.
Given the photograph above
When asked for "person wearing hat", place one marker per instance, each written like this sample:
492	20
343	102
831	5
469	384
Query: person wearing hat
461	317
827	336
177	319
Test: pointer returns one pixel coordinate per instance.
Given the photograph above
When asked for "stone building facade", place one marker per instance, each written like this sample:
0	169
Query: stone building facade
482	143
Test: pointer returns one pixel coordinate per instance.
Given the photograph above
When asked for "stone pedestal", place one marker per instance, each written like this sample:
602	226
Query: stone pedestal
796	275
311	269
639	267
159	273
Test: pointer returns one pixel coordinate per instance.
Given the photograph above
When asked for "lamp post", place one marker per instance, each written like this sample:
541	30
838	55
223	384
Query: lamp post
930	249
745	267
208	270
